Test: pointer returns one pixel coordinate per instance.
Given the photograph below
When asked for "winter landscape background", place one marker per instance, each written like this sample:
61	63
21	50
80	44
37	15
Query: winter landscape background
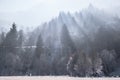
83	43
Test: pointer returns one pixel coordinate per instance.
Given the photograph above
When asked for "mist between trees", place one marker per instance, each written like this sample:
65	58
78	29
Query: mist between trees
57	51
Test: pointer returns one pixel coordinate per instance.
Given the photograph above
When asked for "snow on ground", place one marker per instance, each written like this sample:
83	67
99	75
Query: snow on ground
51	78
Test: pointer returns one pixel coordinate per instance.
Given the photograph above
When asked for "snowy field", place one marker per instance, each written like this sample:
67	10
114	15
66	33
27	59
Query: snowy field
53	78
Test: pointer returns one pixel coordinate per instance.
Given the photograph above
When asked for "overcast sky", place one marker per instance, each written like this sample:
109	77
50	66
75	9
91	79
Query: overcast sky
35	12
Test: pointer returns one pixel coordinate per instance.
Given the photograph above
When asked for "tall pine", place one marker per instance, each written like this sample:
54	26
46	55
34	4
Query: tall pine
36	63
10	42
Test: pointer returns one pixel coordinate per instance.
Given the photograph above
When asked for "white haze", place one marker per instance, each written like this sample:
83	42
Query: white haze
35	12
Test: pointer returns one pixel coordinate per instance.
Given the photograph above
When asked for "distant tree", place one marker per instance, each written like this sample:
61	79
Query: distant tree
10	41
66	40
96	64
2	37
20	38
32	39
68	48
26	59
82	64
71	65
36	63
2	52
11	61
106	38
79	65
108	59
39	47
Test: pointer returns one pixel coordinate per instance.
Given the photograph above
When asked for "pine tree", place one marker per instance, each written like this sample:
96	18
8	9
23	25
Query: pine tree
66	40
39	47
68	48
11	60
2	37
36	63
20	38
2	55
10	41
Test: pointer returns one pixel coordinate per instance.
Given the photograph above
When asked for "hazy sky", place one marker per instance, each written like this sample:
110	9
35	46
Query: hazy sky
35	12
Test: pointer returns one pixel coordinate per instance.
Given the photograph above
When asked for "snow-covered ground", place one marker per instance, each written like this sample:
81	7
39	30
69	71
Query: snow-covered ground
52	78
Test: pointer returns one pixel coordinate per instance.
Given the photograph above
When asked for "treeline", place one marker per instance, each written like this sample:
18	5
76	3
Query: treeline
96	57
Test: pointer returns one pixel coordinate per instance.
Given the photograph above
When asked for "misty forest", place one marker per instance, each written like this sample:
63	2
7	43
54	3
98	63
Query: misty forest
86	43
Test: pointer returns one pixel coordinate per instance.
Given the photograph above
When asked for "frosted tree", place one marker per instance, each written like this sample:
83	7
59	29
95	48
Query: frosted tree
79	65
36	63
82	64
68	47
10	41
11	60
96	64
108	59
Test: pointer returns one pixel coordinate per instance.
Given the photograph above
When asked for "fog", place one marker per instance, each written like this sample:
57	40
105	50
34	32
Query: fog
79	38
35	12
